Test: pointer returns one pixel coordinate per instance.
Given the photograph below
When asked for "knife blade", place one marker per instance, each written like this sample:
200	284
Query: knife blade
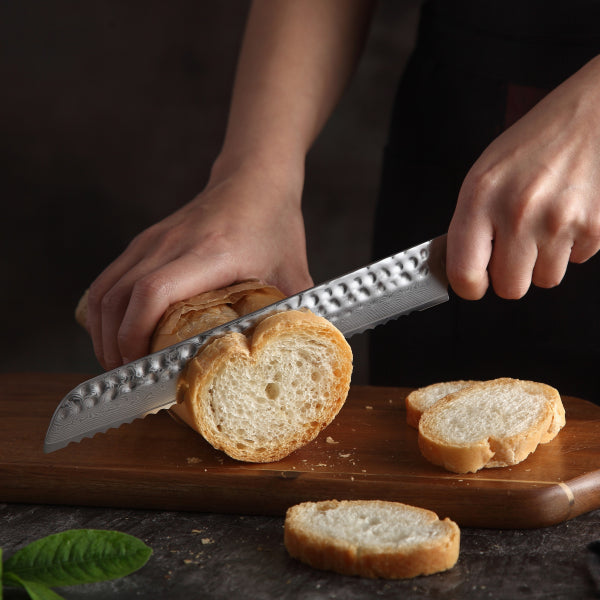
414	279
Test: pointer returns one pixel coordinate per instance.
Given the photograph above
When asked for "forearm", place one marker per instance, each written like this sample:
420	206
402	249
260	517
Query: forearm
296	59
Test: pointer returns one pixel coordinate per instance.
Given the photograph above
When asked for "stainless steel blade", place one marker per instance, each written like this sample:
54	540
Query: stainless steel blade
414	279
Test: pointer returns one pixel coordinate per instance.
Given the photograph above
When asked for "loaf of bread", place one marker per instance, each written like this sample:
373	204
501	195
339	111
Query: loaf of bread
260	395
493	423
421	399
371	538
202	312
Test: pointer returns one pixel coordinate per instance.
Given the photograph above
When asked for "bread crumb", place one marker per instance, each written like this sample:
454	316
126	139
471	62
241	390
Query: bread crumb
369	407
344	455
196	531
193	460
330	440
206	541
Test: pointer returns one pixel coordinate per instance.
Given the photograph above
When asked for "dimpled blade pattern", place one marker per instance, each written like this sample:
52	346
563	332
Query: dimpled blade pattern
397	285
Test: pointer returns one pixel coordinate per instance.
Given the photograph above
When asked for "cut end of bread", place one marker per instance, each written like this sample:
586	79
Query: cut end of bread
493	423
371	538
261	395
422	399
260	398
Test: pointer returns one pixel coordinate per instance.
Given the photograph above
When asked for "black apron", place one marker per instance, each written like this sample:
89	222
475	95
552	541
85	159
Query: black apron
477	67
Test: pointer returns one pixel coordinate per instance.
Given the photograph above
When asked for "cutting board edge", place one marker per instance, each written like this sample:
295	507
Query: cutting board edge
527	507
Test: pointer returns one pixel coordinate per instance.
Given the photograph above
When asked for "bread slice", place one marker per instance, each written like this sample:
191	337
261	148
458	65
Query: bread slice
419	400
493	423
371	538
261	395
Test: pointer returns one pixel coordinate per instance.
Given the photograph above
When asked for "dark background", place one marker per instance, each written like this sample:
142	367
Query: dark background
111	114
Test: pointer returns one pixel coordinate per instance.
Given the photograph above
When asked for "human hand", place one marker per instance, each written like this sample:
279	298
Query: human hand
243	225
531	202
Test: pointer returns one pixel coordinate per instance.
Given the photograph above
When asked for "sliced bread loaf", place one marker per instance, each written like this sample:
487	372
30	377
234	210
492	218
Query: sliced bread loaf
261	395
490	424
419	400
371	538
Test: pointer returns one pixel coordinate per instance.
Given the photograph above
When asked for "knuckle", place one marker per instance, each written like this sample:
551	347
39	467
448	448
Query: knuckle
484	180
521	208
111	301
560	217
167	238
590	229
152	286
479	185
147	235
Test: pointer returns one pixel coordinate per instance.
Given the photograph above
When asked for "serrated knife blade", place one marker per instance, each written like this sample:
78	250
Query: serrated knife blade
414	279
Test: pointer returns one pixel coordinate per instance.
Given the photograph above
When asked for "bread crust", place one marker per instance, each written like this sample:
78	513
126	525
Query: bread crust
202	312
307	543
491	450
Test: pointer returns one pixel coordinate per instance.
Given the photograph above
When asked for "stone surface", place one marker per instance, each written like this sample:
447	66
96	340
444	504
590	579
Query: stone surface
213	556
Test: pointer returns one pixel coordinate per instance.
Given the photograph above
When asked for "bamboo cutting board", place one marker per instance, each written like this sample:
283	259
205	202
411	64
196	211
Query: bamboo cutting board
367	452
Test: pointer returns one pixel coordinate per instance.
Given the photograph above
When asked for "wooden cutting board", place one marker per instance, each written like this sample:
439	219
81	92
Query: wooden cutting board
367	452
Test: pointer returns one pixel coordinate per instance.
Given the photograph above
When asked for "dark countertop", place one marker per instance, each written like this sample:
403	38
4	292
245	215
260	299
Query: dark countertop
212	556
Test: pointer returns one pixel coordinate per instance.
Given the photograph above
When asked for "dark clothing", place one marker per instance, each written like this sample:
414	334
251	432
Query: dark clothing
477	67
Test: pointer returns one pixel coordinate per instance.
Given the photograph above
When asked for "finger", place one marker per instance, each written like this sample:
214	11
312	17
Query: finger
114	305
551	264
469	249
153	294
587	244
100	307
511	266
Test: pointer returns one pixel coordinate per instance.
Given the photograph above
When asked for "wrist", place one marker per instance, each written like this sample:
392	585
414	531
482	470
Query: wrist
284	173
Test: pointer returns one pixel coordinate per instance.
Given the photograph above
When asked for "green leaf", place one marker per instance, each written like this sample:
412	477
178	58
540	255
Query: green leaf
36	591
78	556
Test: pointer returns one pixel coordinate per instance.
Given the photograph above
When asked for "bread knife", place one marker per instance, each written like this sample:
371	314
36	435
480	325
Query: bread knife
414	279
